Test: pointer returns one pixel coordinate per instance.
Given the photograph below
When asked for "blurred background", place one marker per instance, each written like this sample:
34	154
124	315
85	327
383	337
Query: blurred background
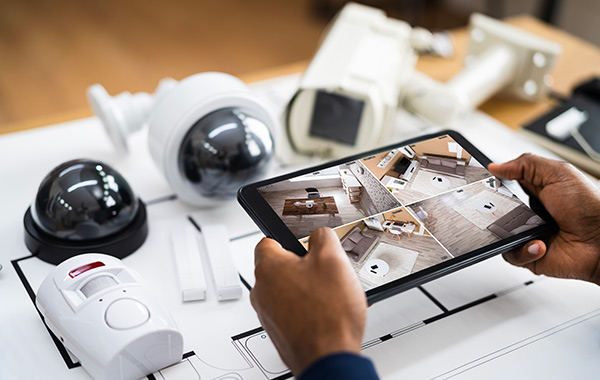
52	50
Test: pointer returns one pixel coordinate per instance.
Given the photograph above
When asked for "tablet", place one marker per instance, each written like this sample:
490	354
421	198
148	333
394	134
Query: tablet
405	214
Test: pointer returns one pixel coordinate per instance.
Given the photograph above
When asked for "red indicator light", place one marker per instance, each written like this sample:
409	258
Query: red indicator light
84	268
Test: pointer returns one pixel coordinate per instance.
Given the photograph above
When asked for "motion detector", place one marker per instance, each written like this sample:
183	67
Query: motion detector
209	134
108	319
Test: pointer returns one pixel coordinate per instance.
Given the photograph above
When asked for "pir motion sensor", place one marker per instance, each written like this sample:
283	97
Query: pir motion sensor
220	141
85	206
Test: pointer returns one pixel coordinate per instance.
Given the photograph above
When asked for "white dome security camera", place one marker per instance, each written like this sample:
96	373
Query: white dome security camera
209	134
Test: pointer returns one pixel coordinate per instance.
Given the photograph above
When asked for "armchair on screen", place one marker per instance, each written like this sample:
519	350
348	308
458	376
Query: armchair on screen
427	219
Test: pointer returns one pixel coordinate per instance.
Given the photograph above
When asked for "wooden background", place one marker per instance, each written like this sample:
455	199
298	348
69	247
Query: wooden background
52	50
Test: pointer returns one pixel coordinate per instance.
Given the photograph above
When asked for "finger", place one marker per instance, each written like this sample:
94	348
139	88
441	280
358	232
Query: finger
254	299
521	167
532	251
265	247
534	172
323	241
257	297
269	258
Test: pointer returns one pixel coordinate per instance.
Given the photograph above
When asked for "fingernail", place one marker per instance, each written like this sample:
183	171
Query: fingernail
533	249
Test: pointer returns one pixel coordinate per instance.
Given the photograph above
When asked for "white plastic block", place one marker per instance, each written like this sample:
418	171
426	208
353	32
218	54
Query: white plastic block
188	263
227	280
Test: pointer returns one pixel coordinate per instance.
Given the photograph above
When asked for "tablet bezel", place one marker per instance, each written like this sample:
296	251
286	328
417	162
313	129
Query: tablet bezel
274	227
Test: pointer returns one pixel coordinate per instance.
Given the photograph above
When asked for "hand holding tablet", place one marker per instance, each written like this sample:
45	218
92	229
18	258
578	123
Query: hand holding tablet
280	295
574	202
388	241
304	297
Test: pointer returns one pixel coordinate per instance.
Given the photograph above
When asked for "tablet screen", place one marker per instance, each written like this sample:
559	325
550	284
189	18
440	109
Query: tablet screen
402	210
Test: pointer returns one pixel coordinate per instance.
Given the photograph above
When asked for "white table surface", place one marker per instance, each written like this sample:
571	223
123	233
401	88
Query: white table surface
490	320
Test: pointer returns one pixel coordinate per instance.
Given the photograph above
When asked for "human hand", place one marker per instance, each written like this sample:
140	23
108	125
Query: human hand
311	306
574	203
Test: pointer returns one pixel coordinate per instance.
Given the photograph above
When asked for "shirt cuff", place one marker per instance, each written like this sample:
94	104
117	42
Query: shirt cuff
344	365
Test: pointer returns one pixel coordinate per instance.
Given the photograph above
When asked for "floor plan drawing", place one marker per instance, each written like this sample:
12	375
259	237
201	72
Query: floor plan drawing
488	321
235	352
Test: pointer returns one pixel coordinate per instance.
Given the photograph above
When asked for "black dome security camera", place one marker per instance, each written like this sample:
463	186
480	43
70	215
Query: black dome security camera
84	206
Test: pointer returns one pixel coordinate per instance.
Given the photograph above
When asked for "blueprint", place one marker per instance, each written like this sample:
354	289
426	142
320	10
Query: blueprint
490	320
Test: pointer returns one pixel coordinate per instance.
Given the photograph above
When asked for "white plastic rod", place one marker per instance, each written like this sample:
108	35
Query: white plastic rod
125	113
489	73
188	263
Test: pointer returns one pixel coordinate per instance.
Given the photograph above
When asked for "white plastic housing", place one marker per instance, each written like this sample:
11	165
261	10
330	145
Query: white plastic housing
501	59
188	262
525	73
190	100
125	113
365	56
105	315
562	125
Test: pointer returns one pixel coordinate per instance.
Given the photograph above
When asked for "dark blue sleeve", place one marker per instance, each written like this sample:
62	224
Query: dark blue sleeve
347	366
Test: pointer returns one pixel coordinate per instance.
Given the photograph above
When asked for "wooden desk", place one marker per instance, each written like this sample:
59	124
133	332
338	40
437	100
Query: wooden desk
579	61
323	205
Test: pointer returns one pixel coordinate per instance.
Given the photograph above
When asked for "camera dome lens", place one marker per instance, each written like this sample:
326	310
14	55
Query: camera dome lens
83	200
224	150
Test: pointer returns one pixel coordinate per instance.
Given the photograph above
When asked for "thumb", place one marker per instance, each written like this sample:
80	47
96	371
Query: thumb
267	250
326	255
504	170
526	255
532	172
324	242
522	168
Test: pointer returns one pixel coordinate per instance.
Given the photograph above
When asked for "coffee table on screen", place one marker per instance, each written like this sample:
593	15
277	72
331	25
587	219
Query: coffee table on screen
304	206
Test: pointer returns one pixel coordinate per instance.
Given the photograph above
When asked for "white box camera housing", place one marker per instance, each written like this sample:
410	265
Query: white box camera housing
348	96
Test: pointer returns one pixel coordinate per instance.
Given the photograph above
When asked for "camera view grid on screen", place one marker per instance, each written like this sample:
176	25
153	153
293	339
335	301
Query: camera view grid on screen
404	210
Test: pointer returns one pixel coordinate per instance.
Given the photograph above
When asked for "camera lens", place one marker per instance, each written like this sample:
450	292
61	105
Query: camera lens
84	206
82	200
224	150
